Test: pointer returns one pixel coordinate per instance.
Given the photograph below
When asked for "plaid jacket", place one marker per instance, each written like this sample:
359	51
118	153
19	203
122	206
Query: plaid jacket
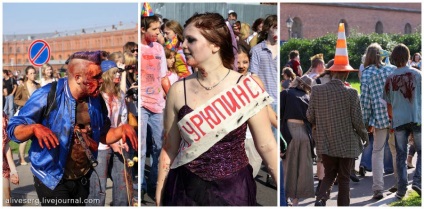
335	111
374	108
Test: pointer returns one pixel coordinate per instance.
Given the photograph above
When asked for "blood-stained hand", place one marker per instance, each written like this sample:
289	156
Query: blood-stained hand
116	147
45	137
129	133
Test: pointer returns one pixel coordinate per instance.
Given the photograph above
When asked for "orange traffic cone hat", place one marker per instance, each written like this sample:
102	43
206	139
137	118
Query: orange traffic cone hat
341	59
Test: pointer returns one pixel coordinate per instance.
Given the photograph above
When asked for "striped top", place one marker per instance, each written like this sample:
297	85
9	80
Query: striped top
263	65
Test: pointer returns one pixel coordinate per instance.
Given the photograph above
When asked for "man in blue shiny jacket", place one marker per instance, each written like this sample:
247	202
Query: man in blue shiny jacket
59	162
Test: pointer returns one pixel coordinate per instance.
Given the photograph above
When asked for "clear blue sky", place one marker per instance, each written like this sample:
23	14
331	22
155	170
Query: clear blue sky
23	18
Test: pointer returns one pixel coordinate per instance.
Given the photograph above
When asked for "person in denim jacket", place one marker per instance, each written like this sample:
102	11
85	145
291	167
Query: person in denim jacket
402	92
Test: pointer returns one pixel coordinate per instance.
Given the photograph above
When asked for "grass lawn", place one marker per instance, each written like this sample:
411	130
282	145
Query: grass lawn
413	199
356	85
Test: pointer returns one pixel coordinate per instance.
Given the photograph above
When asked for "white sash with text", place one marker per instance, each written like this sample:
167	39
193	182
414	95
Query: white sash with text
223	113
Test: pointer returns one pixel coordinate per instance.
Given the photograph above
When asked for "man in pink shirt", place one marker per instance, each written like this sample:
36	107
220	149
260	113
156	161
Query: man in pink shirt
153	70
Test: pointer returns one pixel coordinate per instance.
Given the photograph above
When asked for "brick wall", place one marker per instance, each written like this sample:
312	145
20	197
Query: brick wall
320	19
62	47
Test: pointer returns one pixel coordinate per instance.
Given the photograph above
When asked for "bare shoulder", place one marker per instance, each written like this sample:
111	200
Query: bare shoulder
258	80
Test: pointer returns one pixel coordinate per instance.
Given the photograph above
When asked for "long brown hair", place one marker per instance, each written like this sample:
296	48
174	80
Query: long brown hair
372	55
177	28
213	27
269	22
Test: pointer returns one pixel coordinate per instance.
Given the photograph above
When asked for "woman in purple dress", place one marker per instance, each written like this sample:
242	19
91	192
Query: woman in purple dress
203	159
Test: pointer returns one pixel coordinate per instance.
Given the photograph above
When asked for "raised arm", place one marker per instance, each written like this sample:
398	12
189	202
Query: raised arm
171	141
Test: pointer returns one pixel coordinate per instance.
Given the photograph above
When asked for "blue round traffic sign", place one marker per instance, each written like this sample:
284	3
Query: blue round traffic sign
39	53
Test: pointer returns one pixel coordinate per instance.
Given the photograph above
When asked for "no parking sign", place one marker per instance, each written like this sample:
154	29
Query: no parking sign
39	53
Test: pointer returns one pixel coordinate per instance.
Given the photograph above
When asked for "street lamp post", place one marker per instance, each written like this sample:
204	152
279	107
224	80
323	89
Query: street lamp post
289	23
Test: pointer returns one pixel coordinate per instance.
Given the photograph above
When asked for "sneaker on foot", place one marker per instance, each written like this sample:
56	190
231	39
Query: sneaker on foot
417	189
378	195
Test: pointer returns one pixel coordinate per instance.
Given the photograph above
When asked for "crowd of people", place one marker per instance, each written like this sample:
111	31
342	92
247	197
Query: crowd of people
208	101
323	120
79	125
194	137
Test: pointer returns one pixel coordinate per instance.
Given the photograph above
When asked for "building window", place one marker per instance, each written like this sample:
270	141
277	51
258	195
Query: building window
60	57
347	31
19	61
51	57
18	50
10	49
379	27
297	31
408	29
26	61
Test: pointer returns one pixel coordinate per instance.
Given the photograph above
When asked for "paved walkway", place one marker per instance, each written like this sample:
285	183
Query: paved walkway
361	192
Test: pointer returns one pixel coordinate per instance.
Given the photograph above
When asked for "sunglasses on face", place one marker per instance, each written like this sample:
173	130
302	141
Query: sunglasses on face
131	67
134	50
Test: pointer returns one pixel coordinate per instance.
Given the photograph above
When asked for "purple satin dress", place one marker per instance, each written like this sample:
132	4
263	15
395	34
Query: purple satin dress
221	176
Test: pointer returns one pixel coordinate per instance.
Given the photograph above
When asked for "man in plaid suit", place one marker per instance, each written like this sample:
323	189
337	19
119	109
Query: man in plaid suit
339	133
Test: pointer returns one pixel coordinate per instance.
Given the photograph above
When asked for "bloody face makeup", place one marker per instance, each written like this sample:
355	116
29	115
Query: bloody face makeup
152	32
92	80
273	33
243	63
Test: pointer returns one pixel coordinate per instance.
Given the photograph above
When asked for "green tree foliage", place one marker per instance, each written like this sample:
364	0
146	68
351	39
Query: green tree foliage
356	44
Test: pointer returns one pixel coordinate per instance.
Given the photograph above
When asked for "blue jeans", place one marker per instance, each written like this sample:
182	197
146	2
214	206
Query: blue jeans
367	154
283	201
9	106
155	121
109	162
401	135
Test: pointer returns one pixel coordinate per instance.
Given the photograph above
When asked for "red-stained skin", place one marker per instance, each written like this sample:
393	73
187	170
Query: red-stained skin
93	80
151	34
